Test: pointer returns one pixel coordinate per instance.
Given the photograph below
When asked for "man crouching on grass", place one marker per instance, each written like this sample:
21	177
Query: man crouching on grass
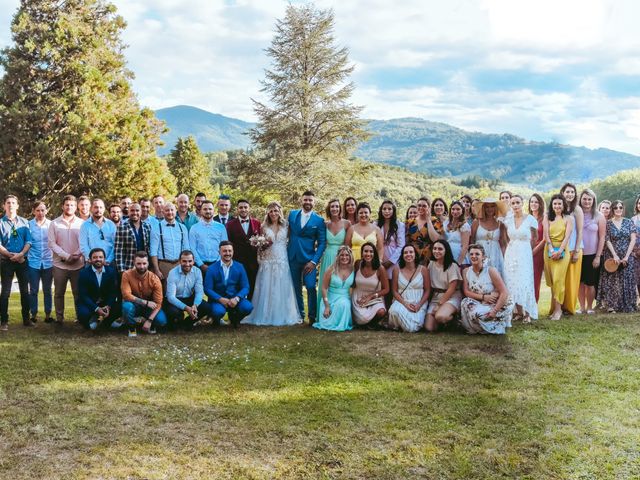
142	297
97	293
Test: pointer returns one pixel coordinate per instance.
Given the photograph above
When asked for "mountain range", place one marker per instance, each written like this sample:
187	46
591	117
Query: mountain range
428	147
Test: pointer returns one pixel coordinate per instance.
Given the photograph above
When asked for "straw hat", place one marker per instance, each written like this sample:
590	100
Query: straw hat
610	265
501	207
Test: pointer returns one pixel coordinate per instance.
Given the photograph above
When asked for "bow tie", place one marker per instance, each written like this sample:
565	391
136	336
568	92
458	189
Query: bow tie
171	224
244	221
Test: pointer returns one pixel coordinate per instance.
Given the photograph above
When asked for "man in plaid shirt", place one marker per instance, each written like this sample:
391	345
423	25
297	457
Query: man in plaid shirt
133	235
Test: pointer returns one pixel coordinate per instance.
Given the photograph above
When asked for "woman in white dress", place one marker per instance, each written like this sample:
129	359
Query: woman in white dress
522	232
411	290
274	301
488	231
487	307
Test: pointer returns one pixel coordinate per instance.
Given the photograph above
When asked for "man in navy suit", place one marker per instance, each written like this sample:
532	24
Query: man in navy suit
227	286
307	241
97	293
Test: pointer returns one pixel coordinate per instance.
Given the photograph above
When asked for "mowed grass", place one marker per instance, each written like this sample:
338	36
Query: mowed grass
549	400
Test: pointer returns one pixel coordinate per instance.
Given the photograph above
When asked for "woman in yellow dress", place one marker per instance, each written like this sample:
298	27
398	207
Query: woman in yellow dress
558	226
364	231
572	286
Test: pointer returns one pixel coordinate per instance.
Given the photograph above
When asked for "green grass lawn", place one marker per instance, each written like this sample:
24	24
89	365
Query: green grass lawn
549	400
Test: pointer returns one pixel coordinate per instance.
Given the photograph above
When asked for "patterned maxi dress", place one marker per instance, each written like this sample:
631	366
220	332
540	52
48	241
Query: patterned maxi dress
617	290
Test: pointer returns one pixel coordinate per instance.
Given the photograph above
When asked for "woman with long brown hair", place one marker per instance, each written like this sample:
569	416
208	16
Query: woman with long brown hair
594	230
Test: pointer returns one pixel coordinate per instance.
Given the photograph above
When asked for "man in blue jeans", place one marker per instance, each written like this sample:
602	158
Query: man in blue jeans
142	297
15	241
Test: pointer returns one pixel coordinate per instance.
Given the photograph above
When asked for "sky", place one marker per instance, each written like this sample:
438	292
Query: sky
546	70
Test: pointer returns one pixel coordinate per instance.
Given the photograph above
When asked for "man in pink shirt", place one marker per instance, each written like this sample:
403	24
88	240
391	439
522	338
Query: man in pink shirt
64	241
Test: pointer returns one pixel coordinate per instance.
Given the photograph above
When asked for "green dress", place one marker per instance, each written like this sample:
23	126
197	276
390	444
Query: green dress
339	298
333	244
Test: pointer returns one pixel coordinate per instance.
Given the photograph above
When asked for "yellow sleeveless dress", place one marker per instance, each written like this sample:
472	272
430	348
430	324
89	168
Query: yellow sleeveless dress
357	241
555	271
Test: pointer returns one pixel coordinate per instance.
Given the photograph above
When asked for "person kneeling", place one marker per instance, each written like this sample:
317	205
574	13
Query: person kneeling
227	286
142	297
445	286
487	307
371	286
97	293
185	293
336	284
411	289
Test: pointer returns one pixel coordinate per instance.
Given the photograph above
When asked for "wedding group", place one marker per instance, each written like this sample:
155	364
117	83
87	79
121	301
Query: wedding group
476	264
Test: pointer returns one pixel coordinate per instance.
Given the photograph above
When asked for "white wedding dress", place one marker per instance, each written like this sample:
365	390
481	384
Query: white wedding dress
274	301
518	264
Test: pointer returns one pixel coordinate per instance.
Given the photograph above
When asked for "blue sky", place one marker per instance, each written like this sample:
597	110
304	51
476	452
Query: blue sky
563	70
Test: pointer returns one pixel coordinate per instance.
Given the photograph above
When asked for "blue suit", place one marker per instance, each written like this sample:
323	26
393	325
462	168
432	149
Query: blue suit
92	296
236	285
305	245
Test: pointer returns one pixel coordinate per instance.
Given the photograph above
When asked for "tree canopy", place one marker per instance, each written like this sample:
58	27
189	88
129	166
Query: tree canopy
69	120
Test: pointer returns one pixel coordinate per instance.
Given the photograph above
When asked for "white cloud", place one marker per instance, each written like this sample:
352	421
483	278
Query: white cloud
209	53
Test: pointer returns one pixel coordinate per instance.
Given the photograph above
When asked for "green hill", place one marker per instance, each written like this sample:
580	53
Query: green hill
436	149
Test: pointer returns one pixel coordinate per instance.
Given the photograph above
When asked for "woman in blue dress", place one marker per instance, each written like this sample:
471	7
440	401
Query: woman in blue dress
336	230
336	283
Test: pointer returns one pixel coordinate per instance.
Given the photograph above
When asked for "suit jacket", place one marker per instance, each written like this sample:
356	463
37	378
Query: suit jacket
89	293
237	284
242	249
308	243
216	218
125	246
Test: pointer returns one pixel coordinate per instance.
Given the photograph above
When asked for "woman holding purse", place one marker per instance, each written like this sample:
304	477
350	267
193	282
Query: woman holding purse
557	231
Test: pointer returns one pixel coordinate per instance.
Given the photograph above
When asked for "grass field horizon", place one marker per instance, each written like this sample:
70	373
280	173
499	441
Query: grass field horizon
548	400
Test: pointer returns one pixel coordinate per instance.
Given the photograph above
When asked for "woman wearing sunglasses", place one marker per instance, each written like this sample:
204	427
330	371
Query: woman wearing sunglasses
617	290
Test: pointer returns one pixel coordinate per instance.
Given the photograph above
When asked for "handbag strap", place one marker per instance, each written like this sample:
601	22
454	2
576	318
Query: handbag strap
409	282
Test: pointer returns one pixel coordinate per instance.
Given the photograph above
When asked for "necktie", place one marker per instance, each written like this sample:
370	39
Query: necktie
171	224
223	220
244	221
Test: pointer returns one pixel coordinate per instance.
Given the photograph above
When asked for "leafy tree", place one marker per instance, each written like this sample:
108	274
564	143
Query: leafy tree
69	120
306	133
190	168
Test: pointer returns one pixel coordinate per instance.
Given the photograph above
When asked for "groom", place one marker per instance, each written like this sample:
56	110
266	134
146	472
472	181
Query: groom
307	241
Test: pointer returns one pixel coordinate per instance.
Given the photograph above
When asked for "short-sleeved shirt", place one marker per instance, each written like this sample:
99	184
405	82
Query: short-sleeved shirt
14	235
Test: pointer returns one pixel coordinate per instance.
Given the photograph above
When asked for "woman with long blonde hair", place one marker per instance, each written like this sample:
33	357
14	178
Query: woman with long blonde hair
274	300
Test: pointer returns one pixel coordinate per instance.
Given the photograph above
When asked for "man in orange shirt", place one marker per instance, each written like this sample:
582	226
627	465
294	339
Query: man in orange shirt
142	297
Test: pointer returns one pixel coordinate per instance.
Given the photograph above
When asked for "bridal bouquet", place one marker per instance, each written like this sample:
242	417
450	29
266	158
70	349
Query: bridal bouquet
260	242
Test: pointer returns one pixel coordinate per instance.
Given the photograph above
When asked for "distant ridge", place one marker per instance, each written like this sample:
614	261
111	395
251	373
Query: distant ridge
212	131
429	147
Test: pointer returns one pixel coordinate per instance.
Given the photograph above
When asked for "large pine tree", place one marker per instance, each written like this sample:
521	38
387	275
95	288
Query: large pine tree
69	120
308	128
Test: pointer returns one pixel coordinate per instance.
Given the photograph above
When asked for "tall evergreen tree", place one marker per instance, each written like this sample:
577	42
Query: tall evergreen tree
190	168
309	128
69	120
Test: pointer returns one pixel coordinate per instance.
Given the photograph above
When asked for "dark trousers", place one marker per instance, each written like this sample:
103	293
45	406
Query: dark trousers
309	281
86	316
176	316
7	270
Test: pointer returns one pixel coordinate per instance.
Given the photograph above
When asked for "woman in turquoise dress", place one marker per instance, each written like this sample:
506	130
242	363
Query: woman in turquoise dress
336	230
336	298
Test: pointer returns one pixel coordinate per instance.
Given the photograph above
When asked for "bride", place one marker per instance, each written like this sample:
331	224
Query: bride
274	301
